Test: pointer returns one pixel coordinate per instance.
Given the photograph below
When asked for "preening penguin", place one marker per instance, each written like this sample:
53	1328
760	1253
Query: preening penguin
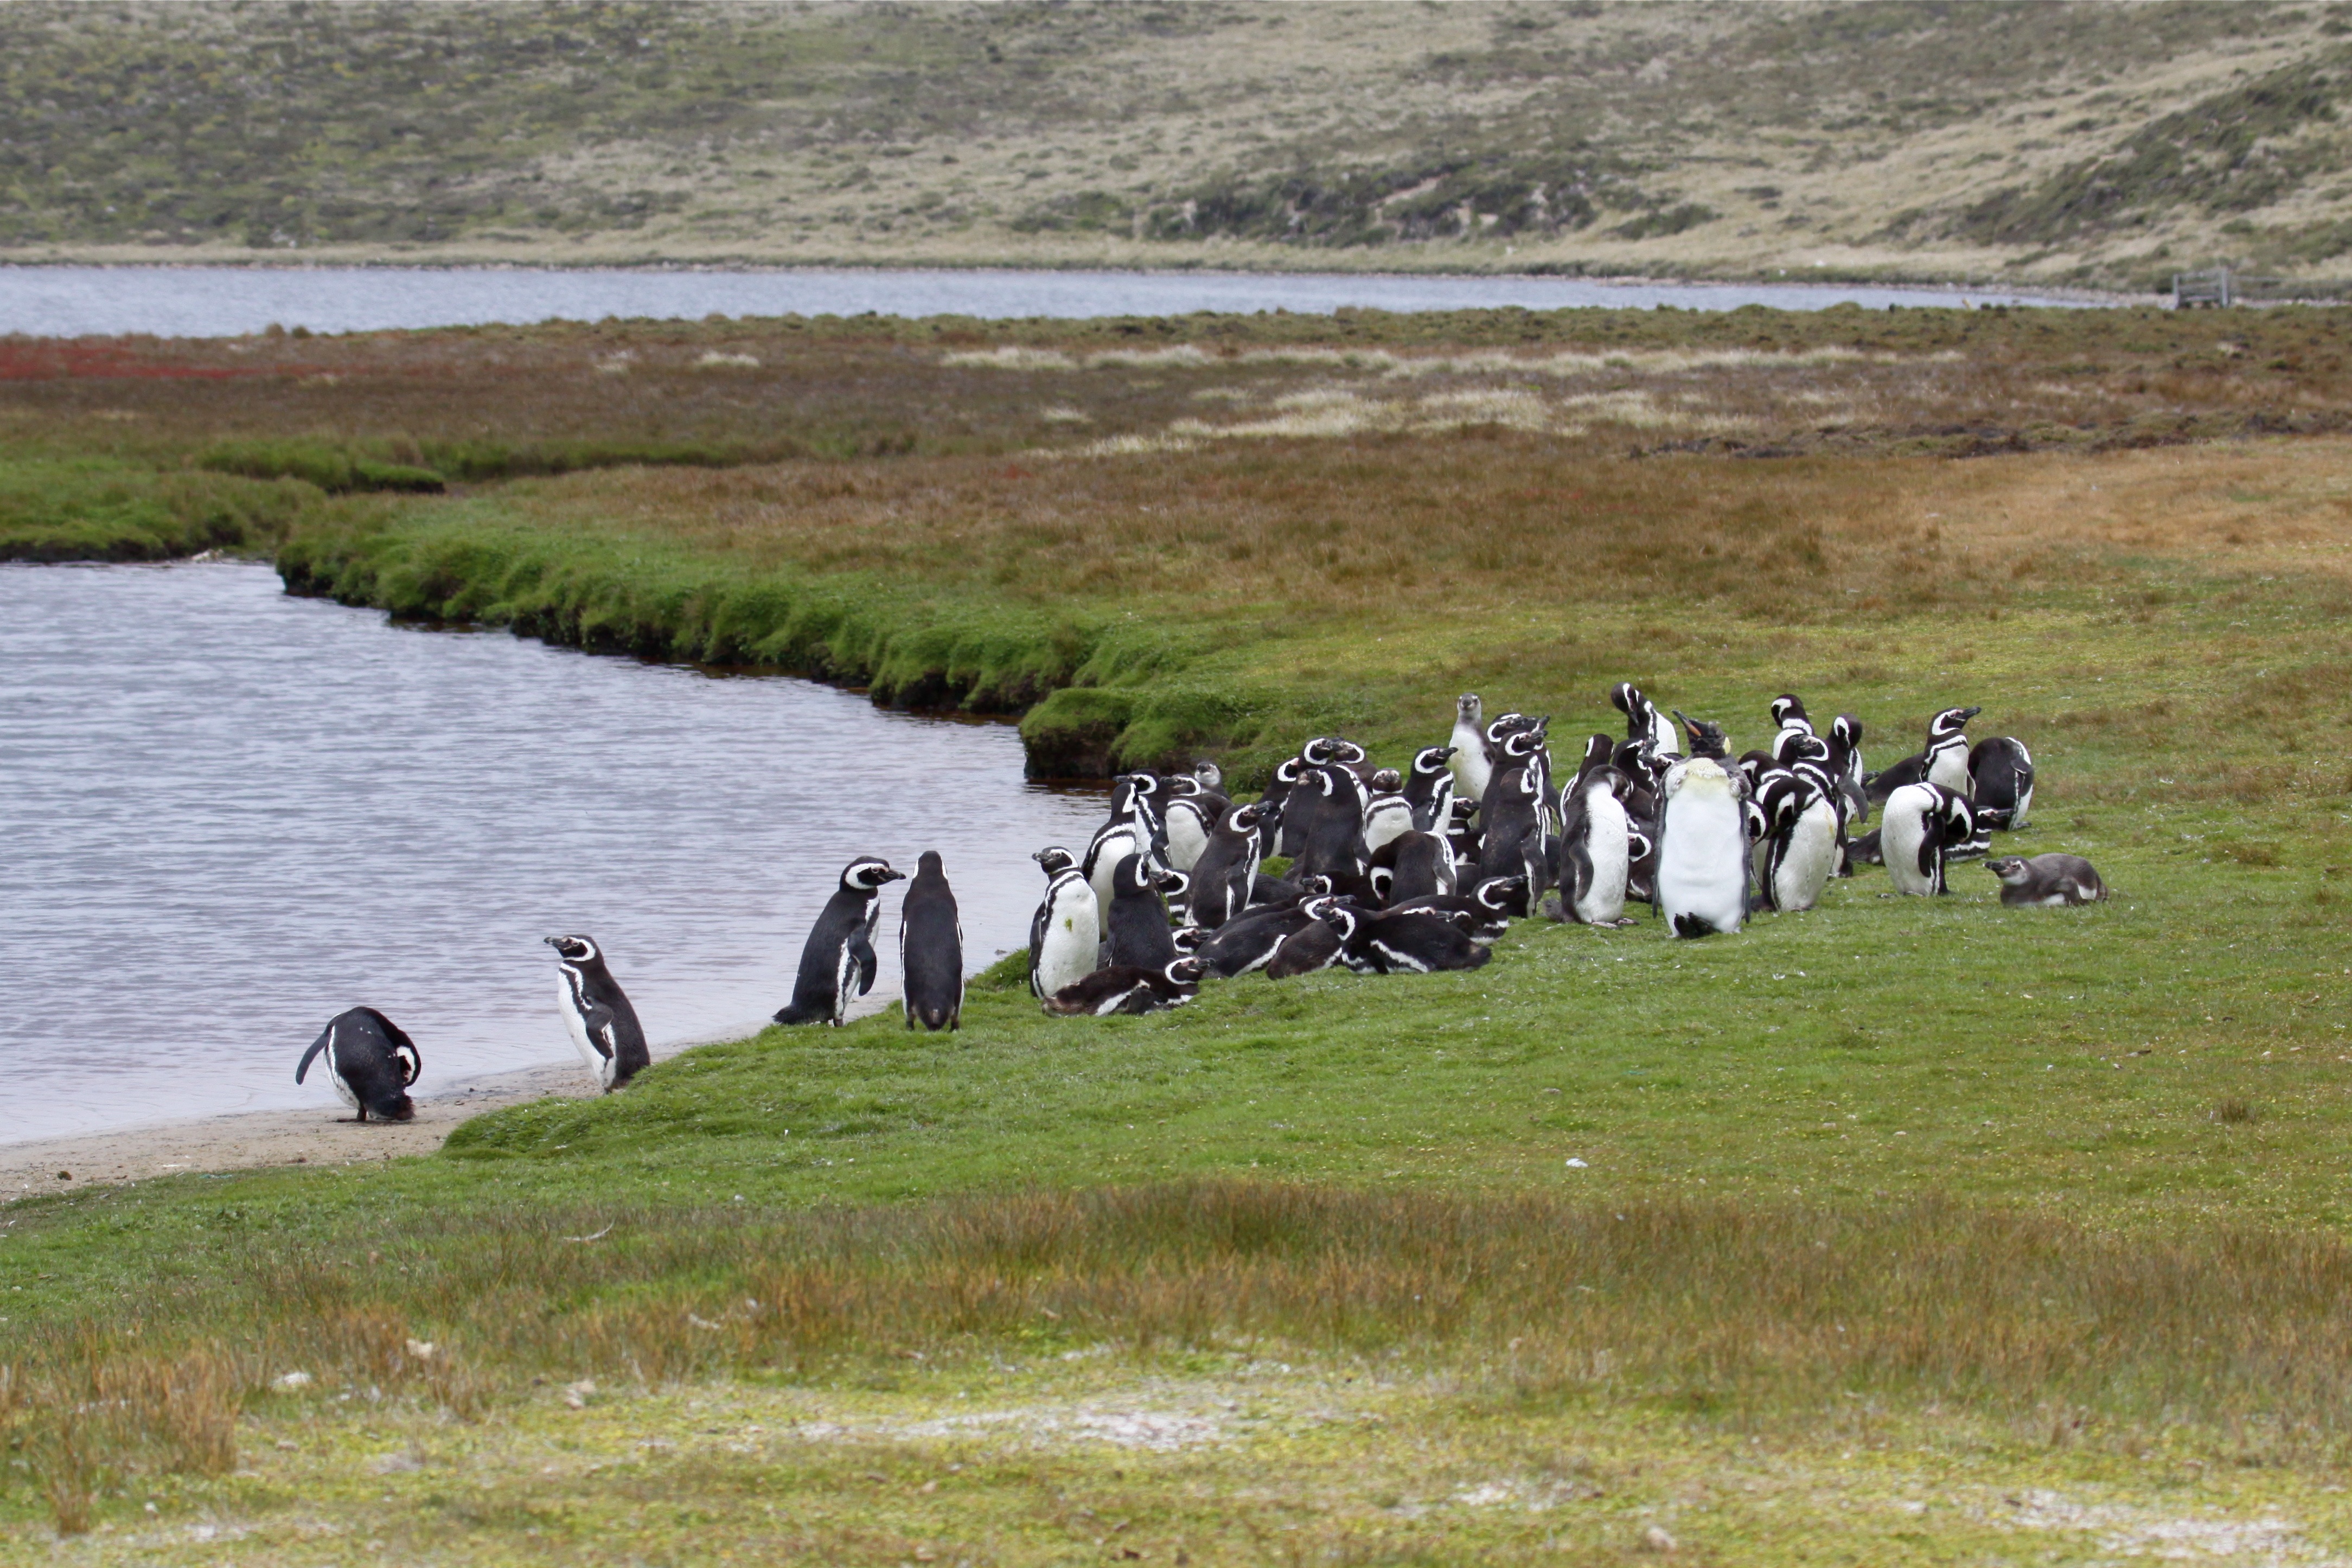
370	1061
2047	882
1799	847
838	961
604	1025
1700	884
1644	722
1919	828
1065	933
931	948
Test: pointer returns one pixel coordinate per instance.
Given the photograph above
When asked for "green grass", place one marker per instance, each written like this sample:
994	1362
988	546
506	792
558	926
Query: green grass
97	510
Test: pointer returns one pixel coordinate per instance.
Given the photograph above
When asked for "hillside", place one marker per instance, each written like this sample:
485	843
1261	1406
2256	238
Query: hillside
2091	144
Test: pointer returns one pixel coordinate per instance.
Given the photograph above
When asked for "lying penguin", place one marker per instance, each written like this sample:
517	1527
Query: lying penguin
1128	989
370	1061
2048	881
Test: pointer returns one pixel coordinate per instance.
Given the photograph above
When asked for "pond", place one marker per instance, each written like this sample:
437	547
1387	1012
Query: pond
231	813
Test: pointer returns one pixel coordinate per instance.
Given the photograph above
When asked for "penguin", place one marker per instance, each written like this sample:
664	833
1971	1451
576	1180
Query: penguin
1334	845
1189	819
1919	826
1113	842
1644	722
1788	717
1315	946
840	948
1412	865
1514	835
1845	763
1066	934
2047	882
1487	907
1429	788
931	948
1596	841
1412	942
370	1061
2000	783
1461	838
1798	848
1295	788
1137	921
604	1025
1276	798
1706	737
1505	895
1468	758
1128	989
1943	763
1209	776
1226	870
1387	813
1244	944
1701	883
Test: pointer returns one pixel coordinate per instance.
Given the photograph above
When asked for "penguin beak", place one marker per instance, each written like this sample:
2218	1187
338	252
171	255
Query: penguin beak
1970	712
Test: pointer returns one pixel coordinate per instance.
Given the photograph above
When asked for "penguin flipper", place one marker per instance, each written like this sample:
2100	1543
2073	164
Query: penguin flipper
603	1028
861	952
311	1055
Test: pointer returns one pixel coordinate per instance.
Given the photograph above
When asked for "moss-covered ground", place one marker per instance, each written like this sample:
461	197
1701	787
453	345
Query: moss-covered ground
1895	1231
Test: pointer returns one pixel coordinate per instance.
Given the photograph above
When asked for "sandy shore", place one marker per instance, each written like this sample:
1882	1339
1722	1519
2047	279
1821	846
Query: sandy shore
322	1135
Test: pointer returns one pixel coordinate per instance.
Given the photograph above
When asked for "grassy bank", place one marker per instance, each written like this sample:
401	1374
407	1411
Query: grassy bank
1895	1229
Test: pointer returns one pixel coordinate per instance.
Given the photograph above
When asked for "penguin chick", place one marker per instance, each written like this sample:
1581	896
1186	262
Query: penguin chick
2048	881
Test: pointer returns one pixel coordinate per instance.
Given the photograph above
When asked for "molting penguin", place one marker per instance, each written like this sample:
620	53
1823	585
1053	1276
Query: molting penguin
1128	989
1701	882
1066	934
840	951
1918	829
370	1061
2048	881
1468	760
1141	936
2000	779
931	948
604	1025
1943	763
1226	869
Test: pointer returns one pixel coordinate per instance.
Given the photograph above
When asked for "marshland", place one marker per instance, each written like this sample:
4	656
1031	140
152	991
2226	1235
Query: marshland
1898	1228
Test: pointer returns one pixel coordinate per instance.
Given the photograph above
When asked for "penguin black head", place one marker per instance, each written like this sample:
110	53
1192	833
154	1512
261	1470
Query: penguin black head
1189	938
1789	706
929	865
1523	743
1185	972
1241	819
1625	697
1183	787
1431	759
1598	750
1848	728
1054	860
1387	779
1317	886
868	873
1706	737
1316	752
574	949
1172	883
1800	746
1952	721
1131	875
1292	769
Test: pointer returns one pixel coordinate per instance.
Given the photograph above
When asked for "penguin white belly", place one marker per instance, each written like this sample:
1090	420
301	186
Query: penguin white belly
1950	768
1608	844
1663	734
1186	838
1073	934
1805	869
2025	808
1904	827
1468	761
1114	850
1703	867
1390	820
574	1021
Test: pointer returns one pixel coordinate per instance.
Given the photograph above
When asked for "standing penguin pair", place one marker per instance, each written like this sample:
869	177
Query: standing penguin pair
839	954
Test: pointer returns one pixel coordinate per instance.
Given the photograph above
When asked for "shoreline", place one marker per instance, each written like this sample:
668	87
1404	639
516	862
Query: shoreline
321	1134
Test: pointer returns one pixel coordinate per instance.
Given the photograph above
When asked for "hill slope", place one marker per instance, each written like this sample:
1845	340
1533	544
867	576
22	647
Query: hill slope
2086	143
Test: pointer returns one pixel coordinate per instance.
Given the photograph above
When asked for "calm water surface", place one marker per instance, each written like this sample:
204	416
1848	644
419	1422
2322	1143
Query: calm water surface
224	301
229	814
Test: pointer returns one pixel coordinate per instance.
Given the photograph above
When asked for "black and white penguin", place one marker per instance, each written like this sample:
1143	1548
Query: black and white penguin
1944	762
1226	869
931	948
1918	828
370	1061
1788	717
1247	942
2000	781
604	1025
1113	842
1487	907
1701	882
2047	882
1333	845
1278	893
1798	849
838	962
1596	841
1412	942
1429	788
1507	896
1066	934
1315	946
1644	722
1387	812
1136	922
1844	741
1189	819
1128	989
1412	865
1468	757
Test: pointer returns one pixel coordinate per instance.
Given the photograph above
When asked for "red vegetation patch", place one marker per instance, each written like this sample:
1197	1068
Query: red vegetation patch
58	358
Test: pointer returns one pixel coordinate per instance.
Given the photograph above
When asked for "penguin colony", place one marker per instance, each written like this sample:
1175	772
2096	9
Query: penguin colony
1387	871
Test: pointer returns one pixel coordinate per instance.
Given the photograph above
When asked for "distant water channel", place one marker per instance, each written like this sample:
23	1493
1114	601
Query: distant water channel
229	814
224	301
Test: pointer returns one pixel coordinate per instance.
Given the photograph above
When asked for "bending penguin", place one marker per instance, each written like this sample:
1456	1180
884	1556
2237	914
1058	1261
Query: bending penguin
840	950
931	948
1919	828
1066	934
604	1025
370	1061
1701	883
